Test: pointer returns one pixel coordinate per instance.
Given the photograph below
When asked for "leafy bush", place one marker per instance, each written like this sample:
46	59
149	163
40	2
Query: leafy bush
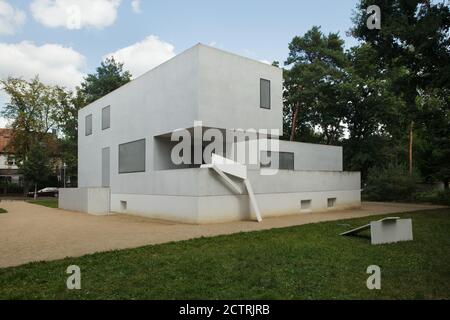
441	197
389	184
10	188
15	188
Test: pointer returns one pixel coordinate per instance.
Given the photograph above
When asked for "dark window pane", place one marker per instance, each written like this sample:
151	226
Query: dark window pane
264	88
105	167
88	125
105	117
132	157
285	160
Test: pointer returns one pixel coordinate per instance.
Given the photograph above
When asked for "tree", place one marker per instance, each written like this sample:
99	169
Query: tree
32	111
433	128
311	84
371	111
108	77
36	168
68	126
414	36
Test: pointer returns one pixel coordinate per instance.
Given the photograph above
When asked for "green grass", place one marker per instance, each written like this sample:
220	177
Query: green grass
51	203
304	262
3	210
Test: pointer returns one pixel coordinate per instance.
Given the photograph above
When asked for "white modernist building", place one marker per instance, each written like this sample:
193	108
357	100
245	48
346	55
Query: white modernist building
125	148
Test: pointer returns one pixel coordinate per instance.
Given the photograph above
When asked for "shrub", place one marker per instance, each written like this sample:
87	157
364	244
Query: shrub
441	197
389	184
11	188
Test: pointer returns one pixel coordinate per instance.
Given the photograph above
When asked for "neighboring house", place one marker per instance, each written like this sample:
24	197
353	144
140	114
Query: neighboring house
124	146
8	168
9	171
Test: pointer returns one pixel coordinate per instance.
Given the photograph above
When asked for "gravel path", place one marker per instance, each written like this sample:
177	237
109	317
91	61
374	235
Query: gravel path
30	232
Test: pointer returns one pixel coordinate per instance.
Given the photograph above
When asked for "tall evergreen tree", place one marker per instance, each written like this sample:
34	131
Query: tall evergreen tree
414	36
316	64
108	77
371	111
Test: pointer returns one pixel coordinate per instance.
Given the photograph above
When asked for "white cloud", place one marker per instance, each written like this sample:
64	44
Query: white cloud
265	61
55	64
3	100
10	18
136	6
144	55
75	14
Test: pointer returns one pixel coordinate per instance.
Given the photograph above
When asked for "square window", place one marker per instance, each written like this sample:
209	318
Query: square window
331	202
132	157
264	93
285	160
88	125
106	117
305	205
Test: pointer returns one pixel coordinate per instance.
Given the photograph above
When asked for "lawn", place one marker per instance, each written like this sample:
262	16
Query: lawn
304	262
51	203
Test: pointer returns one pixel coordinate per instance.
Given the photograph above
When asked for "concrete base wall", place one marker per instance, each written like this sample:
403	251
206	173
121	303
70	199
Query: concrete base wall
229	208
216	209
90	200
174	208
200	196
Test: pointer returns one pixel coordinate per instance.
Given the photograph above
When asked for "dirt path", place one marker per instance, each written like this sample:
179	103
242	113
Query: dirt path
31	232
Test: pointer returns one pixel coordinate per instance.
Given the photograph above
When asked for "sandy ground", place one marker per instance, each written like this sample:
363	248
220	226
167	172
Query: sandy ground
31	232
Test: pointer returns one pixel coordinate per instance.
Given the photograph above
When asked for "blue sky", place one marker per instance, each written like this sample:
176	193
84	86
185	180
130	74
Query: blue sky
43	37
259	29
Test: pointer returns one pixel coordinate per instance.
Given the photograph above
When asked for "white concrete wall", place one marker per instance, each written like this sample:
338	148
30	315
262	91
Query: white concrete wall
165	207
216	209
159	101
205	182
171	96
210	200
230	92
223	208
314	157
283	182
221	90
307	156
90	200
74	199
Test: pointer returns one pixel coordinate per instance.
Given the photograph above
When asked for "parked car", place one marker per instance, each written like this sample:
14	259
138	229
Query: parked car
46	192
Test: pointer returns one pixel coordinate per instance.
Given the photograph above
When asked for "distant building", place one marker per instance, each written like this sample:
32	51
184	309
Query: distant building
8	168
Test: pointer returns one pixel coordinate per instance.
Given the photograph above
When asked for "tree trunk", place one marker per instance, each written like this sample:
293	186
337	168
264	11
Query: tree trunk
411	148
35	191
294	123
